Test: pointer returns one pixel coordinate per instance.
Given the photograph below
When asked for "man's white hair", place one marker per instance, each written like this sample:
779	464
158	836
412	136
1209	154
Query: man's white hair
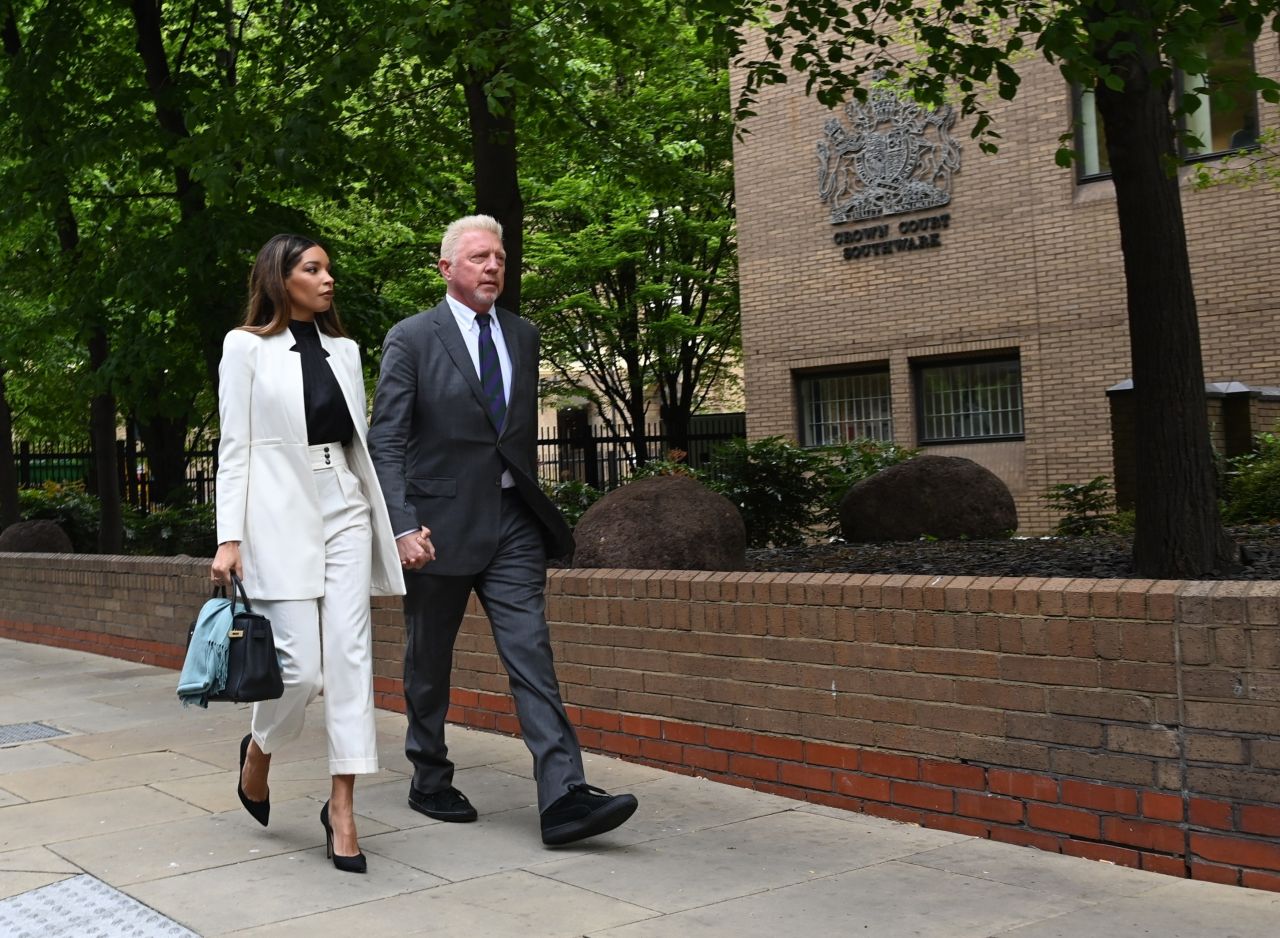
453	234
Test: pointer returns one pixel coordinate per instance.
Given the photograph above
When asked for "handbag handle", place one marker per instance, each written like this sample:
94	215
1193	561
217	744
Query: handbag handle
238	587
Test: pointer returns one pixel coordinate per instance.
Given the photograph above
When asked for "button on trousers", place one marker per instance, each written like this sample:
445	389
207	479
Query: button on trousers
328	642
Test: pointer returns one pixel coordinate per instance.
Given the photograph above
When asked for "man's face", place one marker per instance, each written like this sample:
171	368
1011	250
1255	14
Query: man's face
475	275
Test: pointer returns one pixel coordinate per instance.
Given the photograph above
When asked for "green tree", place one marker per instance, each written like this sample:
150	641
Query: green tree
1127	51
160	145
28	74
1257	167
632	258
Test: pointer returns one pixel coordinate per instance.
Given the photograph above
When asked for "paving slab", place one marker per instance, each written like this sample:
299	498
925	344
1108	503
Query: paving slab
892	898
124	858
273	889
63	819
1179	909
708	866
497	842
505	905
31	868
1052	873
61	781
35	756
167	733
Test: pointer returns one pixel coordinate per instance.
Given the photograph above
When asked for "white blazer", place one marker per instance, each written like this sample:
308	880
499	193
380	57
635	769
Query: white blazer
266	494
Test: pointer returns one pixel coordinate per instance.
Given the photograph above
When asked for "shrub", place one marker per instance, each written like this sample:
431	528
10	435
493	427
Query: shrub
777	486
848	464
573	498
1122	522
1086	507
1253	483
70	506
673	465
185	529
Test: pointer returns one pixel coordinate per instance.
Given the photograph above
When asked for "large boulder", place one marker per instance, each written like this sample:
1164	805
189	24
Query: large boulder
940	496
669	522
35	537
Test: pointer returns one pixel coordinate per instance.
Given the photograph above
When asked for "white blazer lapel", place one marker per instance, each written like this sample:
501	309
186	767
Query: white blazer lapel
338	365
285	369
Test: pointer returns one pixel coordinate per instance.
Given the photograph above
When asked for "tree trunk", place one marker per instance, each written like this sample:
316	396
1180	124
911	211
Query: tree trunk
493	153
8	471
675	423
1178	534
165	98
165	441
102	435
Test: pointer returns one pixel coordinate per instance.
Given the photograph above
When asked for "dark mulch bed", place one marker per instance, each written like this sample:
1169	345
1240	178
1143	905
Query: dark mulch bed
1107	557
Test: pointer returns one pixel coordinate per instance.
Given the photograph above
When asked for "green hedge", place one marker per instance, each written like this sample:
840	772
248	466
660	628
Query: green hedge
1253	483
787	494
188	529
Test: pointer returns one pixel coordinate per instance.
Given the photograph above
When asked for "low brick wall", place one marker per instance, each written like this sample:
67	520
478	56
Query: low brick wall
1133	721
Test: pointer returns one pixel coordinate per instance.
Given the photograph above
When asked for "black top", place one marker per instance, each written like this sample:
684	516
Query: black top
328	418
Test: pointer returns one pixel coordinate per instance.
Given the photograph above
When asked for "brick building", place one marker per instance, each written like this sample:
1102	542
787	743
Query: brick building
990	326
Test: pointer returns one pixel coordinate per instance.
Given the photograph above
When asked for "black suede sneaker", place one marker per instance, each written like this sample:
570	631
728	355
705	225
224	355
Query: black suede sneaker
584	812
447	805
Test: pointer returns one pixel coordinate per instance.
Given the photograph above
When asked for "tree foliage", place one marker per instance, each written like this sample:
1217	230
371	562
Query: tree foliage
633	264
150	148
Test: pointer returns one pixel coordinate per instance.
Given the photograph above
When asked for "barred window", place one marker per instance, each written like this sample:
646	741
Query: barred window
970	400
850	406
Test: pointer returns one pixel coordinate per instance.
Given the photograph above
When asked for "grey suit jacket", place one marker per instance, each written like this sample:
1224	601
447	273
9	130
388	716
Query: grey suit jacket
438	456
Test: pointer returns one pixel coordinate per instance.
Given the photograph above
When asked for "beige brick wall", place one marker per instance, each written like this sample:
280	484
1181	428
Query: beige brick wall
1030	260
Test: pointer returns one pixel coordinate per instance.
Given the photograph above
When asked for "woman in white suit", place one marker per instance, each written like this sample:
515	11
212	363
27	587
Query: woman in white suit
301	523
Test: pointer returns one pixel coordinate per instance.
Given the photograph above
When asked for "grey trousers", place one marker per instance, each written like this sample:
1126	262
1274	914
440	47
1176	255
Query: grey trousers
512	590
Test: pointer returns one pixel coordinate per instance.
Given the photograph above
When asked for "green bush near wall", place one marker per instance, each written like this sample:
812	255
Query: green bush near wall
787	494
186	529
1253	483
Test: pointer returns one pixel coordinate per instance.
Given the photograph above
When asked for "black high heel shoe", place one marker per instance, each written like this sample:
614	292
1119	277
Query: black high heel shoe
260	810
354	864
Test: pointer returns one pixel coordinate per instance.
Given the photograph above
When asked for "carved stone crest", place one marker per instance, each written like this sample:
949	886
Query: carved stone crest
894	157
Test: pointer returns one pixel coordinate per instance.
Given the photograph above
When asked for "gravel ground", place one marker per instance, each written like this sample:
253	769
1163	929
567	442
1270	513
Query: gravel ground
1039	557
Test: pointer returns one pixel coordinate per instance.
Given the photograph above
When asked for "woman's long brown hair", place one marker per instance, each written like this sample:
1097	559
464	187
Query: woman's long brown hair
267	312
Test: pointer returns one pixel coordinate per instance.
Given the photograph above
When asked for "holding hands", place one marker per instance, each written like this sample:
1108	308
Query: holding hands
416	549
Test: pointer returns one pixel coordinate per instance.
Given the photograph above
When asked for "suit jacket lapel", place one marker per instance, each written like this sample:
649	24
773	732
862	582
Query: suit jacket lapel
516	352
446	327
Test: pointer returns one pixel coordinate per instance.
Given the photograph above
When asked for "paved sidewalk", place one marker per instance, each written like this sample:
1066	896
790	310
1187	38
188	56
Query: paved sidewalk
129	825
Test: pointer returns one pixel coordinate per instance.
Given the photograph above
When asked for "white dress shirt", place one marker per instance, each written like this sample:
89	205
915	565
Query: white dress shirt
470	330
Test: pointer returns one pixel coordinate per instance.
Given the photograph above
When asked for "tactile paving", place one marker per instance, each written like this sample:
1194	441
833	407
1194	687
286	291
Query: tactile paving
83	907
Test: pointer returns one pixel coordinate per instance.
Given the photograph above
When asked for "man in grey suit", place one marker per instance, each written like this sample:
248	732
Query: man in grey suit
454	442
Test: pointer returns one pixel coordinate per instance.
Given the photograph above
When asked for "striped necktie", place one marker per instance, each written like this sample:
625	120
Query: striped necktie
491	373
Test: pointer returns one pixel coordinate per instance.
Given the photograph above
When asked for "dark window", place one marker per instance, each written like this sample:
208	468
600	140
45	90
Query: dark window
969	400
1225	121
837	408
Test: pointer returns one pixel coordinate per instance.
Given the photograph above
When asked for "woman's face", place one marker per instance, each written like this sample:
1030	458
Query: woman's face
309	284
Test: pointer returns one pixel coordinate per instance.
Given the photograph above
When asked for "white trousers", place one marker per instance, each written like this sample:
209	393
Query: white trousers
330	636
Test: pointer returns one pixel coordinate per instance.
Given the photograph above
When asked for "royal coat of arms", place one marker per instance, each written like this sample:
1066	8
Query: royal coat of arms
894	157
